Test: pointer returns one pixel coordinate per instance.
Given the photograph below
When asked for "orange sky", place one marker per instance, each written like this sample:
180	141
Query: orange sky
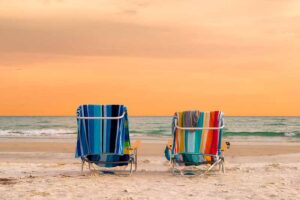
156	57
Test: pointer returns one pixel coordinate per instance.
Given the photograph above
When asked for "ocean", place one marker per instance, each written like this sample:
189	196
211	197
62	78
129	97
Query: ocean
234	126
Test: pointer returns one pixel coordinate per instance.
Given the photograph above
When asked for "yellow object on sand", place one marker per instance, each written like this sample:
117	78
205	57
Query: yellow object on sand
134	146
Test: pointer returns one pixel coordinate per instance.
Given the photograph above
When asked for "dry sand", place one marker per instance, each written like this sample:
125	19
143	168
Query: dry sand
46	169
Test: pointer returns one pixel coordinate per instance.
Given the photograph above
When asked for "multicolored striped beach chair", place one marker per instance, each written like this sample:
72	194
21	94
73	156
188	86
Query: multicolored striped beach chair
197	140
103	137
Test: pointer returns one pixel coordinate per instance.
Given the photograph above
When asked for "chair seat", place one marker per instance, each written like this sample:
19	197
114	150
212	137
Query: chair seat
194	159
108	160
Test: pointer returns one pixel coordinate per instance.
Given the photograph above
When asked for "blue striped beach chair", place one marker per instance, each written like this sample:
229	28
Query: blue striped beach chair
197	141
103	137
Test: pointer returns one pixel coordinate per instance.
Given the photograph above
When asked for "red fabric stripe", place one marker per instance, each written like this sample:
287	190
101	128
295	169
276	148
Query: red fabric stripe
215	133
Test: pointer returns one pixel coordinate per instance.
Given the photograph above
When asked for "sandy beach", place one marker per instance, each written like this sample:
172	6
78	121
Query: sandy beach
45	168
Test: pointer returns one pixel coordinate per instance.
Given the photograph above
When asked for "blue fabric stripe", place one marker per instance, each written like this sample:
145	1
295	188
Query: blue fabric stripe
119	139
108	128
199	132
186	141
82	130
91	139
97	129
126	126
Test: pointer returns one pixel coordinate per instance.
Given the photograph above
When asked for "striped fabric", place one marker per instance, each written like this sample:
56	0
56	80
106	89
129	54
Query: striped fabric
102	137
200	141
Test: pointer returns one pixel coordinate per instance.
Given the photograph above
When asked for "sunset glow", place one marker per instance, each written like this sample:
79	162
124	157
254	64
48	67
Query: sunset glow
156	57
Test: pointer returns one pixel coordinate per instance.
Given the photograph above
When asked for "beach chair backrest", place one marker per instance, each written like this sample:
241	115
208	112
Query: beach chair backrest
102	129
202	136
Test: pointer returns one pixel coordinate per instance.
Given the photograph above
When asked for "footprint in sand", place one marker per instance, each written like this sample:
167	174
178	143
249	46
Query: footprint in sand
35	193
273	195
7	181
125	198
262	186
146	161
275	165
234	169
65	176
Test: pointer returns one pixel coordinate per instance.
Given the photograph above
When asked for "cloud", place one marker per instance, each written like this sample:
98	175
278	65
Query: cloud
111	38
51	1
129	12
100	38
150	29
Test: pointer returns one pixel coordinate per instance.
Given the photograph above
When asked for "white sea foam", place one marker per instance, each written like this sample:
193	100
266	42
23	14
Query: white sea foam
290	134
36	132
234	126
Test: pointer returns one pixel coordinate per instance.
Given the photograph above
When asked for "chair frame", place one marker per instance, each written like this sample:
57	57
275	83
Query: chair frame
132	156
219	159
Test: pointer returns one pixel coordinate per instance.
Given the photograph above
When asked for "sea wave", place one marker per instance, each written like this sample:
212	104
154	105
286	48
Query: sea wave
265	134
151	132
37	132
155	126
276	124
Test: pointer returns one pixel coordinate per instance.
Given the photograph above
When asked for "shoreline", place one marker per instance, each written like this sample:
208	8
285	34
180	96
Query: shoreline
150	146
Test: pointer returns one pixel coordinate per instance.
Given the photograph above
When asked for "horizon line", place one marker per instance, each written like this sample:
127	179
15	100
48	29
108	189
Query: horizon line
149	116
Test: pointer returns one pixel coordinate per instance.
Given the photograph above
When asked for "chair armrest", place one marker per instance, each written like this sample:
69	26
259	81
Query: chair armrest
135	145
225	145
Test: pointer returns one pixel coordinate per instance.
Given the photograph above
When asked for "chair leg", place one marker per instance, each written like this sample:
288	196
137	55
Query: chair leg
170	154
212	166
173	165
135	160
131	166
223	166
82	165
